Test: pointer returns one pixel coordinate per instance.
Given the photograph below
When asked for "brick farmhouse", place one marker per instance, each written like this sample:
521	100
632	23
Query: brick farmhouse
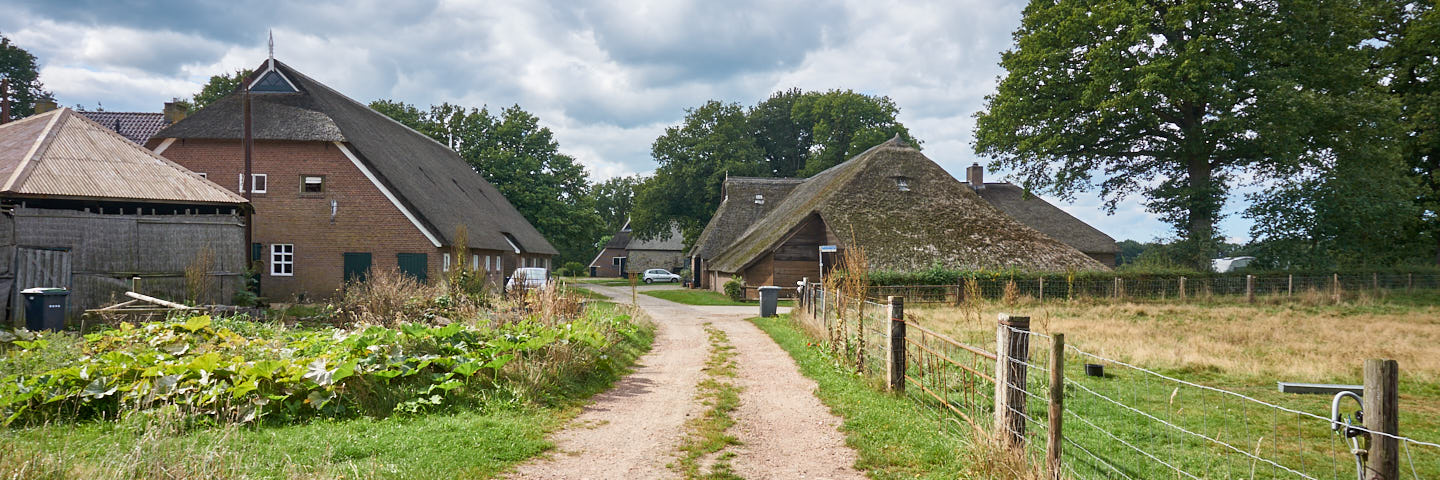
338	189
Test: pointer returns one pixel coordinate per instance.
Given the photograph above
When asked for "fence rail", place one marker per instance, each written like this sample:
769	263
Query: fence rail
1178	287
1037	394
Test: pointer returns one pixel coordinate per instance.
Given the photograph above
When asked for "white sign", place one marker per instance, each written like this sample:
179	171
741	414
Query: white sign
827	249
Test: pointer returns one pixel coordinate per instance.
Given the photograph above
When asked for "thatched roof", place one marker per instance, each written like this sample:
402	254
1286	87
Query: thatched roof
61	154
673	242
1048	219
739	210
429	178
938	221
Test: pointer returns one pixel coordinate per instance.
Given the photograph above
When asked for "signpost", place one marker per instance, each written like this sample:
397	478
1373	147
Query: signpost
824	249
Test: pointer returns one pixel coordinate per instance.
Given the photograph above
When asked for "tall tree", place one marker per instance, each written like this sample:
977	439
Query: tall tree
23	73
1409	58
217	88
1171	99
613	199
713	142
792	133
523	161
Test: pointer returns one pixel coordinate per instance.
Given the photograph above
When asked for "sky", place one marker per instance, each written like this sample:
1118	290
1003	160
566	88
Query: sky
606	76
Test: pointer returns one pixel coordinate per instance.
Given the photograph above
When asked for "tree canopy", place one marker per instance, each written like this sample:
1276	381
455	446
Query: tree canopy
522	160
613	200
218	87
23	73
1179	100
792	133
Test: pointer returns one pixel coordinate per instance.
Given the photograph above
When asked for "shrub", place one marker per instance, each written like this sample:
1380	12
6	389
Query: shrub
735	289
574	269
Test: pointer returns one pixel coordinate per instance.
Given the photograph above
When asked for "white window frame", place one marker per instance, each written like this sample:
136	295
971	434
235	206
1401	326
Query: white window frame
616	261
203	175
487	263
265	179
282	254
305	181
445	262
475	262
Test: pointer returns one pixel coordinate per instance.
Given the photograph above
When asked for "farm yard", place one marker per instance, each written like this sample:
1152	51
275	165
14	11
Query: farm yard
1189	389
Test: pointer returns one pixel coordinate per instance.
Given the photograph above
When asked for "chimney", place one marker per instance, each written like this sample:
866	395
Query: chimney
44	105
976	175
175	111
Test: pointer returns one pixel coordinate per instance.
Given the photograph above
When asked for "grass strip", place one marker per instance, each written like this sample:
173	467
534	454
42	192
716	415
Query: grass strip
703	297
895	438
707	434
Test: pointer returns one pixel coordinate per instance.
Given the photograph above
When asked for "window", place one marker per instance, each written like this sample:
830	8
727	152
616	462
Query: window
258	183
312	184
445	262
282	259
475	262
759	199
617	261
902	183
487	263
203	175
272	82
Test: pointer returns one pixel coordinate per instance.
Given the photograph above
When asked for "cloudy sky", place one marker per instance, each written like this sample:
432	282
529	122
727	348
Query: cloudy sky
607	76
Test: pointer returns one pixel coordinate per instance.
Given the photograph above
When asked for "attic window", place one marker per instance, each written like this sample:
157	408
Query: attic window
759	199
272	82
902	183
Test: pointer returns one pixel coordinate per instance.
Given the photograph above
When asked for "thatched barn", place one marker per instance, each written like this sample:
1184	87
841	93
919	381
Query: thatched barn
83	208
1043	216
746	200
902	209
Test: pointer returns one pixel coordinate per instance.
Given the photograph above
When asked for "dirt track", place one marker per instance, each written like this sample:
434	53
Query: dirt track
632	430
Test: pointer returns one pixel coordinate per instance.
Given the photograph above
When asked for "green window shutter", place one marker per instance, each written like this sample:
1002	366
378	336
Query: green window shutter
414	264
257	250
357	266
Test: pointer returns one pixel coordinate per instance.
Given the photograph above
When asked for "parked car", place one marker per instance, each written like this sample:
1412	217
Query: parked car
660	275
528	278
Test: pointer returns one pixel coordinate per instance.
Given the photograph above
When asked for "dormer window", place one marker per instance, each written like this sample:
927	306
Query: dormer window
902	183
272	81
759	199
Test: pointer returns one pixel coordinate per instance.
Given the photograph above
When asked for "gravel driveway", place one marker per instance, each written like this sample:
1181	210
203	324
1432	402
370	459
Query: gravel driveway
632	430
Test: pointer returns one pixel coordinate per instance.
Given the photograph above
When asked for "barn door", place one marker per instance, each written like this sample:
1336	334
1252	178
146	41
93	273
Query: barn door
357	265
38	267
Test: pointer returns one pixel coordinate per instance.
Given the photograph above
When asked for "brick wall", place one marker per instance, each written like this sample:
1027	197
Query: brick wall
605	263
364	220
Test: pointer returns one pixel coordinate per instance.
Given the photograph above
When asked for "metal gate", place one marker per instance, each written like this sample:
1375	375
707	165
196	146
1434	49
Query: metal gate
38	267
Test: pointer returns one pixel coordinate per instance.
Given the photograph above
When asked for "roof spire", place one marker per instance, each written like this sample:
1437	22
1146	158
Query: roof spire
272	44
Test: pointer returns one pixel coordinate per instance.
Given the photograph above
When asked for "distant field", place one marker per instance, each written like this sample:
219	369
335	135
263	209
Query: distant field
1235	347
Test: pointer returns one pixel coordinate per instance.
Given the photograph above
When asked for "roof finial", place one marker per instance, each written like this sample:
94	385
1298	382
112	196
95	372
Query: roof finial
272	44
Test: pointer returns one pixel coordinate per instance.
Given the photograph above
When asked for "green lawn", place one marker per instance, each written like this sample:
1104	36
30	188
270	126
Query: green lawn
605	282
702	297
894	437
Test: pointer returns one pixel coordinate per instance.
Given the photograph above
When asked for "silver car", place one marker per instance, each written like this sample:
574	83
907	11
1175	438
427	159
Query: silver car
660	275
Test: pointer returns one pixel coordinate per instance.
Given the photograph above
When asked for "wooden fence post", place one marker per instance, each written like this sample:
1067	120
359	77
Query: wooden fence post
1012	353
959	292
1182	289
135	284
1250	288
1382	407
1410	282
895	365
1290	285
1057	404
1117	288
1375	280
1042	289
1335	286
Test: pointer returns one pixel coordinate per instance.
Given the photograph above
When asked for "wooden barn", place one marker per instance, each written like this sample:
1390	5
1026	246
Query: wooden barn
902	209
83	208
625	253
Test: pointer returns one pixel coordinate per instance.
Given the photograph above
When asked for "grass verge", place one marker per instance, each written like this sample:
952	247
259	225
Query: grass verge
707	435
894	437
703	297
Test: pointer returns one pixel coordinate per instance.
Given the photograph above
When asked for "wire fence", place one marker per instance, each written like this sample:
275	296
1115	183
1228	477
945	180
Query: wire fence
1115	420
995	287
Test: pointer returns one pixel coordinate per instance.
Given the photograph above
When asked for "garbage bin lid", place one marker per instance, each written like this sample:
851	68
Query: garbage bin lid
44	290
769	287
